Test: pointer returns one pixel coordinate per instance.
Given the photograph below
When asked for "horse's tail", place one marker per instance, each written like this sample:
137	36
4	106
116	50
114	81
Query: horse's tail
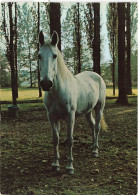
104	125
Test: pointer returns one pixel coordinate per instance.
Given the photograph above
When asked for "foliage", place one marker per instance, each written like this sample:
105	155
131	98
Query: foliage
28	39
133	25
89	25
112	25
70	39
5	71
27	44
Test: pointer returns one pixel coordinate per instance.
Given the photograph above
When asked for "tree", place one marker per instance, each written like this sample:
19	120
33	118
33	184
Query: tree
112	29
128	49
96	41
28	43
55	23
69	40
134	46
89	24
11	54
122	98
133	25
39	87
15	51
9	34
77	37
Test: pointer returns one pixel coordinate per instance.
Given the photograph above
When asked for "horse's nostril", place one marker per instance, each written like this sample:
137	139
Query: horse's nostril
50	83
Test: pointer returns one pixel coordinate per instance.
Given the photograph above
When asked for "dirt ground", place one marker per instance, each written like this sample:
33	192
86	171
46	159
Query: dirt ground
27	154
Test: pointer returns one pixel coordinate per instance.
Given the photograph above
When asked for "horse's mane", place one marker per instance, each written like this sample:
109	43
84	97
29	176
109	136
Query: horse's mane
64	71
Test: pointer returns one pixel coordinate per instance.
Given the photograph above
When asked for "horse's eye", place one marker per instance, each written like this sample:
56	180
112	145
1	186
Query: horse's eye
39	57
54	56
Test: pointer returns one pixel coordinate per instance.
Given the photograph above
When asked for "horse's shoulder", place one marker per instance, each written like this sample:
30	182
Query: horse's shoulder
86	73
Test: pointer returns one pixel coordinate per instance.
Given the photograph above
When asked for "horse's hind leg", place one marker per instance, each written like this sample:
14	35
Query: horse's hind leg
56	129
98	116
91	121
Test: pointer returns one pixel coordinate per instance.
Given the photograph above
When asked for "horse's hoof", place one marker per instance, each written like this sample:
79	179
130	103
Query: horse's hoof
95	155
57	169
70	171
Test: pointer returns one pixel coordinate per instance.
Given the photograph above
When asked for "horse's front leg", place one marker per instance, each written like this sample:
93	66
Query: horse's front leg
70	120
56	128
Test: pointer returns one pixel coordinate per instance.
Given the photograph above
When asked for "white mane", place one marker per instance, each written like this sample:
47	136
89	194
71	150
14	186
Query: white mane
64	71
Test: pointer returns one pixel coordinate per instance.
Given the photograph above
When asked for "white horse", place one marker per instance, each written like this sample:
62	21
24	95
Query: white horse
68	96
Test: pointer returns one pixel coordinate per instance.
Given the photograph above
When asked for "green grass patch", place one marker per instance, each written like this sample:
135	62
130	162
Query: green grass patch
32	94
109	92
23	94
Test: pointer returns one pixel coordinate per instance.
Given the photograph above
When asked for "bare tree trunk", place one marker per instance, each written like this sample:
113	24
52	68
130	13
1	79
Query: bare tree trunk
11	55
55	24
128	67
122	98
31	83
16	69
78	40
113	73
90	26
39	87
30	64
96	42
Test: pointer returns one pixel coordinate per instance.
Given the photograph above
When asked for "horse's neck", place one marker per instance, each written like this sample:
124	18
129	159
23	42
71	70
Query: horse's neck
63	72
64	76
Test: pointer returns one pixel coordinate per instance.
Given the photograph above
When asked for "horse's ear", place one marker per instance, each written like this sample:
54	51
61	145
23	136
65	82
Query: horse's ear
41	37
55	38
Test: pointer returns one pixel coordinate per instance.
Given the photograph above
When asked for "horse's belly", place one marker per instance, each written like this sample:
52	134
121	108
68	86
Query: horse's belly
85	107
84	110
87	99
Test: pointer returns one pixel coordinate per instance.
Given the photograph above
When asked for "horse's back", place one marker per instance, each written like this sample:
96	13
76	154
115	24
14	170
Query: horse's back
91	78
89	75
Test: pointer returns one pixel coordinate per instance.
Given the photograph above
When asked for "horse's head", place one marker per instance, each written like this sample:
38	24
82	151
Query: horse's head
47	60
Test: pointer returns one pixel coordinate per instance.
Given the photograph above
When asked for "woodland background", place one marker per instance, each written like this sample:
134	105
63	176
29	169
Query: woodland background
82	42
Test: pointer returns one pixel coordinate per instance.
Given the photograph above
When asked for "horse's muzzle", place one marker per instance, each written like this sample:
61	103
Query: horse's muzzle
46	85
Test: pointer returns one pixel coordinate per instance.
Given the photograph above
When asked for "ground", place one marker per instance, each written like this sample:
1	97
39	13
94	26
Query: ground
27	154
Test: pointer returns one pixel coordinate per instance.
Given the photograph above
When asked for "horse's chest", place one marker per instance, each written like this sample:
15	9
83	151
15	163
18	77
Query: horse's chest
58	107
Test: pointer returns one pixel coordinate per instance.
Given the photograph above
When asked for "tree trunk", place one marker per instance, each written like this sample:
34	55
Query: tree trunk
96	42
39	87
78	40
15	46
30	64
128	67
11	55
55	24
113	73
122	98
90	26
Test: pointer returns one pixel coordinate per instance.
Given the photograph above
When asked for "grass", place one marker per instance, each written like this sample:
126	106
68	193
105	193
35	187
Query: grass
23	93
109	92
26	94
27	153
